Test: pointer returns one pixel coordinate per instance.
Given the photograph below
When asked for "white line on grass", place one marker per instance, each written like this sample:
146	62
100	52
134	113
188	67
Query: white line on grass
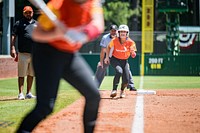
138	122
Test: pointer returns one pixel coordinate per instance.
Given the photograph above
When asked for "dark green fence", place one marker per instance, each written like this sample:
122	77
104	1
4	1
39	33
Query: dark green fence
93	59
182	65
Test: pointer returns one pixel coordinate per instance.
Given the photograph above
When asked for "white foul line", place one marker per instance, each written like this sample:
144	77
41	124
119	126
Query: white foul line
138	122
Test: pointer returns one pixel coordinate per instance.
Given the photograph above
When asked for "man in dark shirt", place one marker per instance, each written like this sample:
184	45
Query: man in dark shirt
22	29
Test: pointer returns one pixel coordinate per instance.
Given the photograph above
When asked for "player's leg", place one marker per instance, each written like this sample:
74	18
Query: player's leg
115	63
118	71
22	72
100	73
29	83
131	84
20	87
30	76
48	66
79	75
125	78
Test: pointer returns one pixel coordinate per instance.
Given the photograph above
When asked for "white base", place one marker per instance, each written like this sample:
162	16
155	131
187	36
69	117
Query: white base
146	92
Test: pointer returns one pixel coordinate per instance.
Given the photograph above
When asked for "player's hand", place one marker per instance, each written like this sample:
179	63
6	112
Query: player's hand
75	35
133	54
71	35
100	64
107	60
16	58
13	53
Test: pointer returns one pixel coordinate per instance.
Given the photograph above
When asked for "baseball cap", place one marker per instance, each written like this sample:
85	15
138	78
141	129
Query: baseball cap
27	8
113	27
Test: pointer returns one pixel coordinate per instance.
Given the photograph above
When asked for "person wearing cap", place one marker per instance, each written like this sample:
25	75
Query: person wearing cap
22	30
101	66
121	48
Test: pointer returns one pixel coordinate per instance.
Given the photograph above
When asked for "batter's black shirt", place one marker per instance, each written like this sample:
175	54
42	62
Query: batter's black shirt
23	29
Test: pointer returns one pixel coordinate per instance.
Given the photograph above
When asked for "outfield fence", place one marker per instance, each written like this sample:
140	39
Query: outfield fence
164	65
160	62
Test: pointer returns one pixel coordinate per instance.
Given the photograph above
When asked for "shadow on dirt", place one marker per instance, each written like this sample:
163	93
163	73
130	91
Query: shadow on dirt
8	99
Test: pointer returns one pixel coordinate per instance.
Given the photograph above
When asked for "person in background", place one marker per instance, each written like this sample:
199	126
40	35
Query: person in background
22	30
101	66
56	56
121	48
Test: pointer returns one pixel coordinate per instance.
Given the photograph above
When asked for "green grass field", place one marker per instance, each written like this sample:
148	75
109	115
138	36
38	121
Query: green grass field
12	110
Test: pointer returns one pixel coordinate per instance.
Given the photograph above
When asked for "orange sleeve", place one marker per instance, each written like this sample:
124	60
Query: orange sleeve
133	46
111	44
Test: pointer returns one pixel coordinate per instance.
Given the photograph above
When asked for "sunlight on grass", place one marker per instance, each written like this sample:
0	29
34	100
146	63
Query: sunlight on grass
12	110
171	82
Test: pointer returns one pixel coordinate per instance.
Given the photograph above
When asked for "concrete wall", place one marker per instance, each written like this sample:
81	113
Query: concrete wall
8	67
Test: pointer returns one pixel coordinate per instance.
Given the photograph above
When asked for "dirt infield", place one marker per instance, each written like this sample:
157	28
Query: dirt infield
169	111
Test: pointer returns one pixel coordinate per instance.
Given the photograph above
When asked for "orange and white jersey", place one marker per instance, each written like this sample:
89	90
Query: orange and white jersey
122	51
74	15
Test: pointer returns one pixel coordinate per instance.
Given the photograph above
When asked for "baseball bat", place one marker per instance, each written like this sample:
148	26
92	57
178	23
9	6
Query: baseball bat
40	4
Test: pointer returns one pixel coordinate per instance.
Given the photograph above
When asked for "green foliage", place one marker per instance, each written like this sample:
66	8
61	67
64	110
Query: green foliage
118	12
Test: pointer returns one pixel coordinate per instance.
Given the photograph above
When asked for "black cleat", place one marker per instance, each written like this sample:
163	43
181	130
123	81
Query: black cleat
133	89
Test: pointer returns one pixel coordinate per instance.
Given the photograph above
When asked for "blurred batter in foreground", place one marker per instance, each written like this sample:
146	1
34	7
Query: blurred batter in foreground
55	57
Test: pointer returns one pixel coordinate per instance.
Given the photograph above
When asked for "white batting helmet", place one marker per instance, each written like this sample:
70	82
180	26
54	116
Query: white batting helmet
124	27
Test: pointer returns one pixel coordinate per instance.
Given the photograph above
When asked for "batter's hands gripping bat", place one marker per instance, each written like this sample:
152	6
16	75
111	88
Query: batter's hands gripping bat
72	35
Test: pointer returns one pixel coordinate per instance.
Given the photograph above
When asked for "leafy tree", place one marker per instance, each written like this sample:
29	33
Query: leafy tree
118	12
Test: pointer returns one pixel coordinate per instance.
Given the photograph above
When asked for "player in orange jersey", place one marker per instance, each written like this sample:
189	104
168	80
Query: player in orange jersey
55	56
122	48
